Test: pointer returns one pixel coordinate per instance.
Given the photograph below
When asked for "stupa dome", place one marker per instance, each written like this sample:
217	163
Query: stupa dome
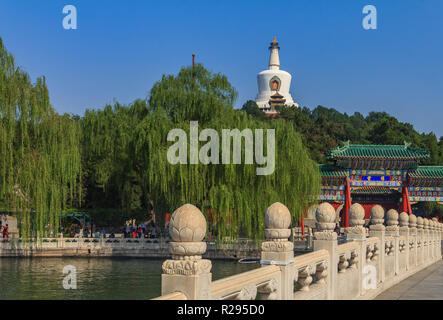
274	84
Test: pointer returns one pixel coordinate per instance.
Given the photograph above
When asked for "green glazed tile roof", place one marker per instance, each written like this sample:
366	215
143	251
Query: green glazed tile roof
327	170
378	151
427	172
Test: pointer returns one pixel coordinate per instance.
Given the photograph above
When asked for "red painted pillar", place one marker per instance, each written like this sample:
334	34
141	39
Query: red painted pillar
402	207
347	203
405	198
303	226
408	203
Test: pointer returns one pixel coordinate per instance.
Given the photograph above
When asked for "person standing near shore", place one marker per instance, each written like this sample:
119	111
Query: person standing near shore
5	231
143	226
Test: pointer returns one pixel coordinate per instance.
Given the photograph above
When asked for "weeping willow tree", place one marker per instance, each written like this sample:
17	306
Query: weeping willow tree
40	162
124	150
232	196
111	174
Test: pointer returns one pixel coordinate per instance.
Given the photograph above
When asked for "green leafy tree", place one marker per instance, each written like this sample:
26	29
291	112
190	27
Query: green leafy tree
251	108
232	196
40	163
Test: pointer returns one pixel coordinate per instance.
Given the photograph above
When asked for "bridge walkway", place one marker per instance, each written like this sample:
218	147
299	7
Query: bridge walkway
424	285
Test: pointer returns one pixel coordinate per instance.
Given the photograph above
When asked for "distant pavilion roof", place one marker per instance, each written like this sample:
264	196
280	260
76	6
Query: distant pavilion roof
327	170
378	152
433	172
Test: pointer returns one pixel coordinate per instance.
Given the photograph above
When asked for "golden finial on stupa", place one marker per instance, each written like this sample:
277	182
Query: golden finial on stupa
275	40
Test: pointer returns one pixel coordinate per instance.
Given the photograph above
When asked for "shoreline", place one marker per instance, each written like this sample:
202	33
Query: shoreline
122	248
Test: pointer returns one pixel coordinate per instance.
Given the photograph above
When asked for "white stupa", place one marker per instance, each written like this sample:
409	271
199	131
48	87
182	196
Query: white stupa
274	84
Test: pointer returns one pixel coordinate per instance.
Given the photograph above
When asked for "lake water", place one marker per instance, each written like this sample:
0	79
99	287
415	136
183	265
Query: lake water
97	278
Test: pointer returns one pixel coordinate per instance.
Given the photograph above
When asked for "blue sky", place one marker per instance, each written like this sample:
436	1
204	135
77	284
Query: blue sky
121	48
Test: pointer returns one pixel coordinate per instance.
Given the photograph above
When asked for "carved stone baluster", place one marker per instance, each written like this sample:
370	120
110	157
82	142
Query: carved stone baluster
426	232
377	229
392	222
321	272
305	278
356	222
342	263
187	272
377	218
325	222
325	238
248	292
404	219
411	244
412	225
387	247
277	250
401	246
391	248
369	252
376	252
412	231
268	291
353	260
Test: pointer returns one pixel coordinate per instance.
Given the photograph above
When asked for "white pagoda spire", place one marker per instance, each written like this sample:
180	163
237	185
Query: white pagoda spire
274	84
274	60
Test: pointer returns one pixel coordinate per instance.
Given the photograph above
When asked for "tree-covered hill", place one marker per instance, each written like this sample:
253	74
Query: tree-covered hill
326	128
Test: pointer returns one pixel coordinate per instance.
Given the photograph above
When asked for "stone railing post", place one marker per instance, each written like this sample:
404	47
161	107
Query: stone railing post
392	229
187	272
435	238
420	241
413	239
326	238
391	220
404	232
277	250
356	232
377	229
432	239
426	233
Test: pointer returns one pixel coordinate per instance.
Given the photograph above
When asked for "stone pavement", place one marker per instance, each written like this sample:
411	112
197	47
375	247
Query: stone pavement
424	285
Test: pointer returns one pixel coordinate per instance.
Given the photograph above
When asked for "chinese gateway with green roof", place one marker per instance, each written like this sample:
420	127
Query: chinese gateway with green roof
388	175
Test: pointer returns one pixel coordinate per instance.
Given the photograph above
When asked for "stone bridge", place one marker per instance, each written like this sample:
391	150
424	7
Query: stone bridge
394	248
